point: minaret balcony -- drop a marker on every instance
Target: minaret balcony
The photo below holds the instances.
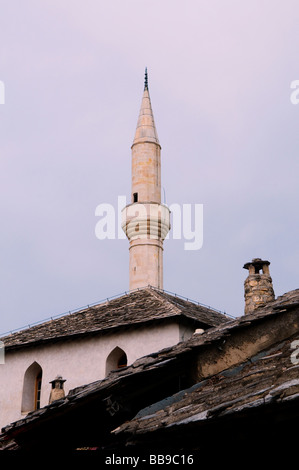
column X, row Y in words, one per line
column 148, row 220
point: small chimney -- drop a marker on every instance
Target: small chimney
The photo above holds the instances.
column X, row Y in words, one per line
column 258, row 285
column 57, row 390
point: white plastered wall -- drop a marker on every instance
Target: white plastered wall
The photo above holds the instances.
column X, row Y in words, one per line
column 79, row 361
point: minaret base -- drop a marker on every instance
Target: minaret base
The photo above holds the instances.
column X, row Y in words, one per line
column 146, row 263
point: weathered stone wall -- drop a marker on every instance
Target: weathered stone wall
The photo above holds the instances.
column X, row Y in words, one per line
column 258, row 291
column 245, row 343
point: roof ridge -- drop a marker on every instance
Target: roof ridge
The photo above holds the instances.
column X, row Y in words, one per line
column 159, row 295
column 139, row 306
column 105, row 301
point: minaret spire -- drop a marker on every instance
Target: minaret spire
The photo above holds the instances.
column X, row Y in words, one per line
column 146, row 221
column 145, row 79
column 146, row 129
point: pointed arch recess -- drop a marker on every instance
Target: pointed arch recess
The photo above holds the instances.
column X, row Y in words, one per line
column 116, row 360
column 31, row 388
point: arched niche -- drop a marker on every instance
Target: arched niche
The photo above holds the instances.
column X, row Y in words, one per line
column 32, row 388
column 116, row 360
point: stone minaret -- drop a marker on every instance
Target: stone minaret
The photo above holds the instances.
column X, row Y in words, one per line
column 146, row 221
column 258, row 285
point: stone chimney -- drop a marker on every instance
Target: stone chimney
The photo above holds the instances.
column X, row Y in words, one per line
column 258, row 288
column 57, row 390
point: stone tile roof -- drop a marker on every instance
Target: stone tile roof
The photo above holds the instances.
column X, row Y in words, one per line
column 269, row 375
column 136, row 308
column 268, row 378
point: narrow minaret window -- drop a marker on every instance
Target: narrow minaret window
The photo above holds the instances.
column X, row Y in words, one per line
column 146, row 221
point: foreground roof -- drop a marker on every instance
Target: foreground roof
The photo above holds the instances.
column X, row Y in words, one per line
column 268, row 377
column 128, row 402
column 135, row 308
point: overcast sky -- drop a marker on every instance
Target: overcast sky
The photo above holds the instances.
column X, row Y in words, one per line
column 220, row 73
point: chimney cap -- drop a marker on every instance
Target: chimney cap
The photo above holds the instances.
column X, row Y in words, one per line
column 258, row 262
column 58, row 379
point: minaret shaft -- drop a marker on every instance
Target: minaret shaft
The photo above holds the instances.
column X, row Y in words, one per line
column 146, row 221
column 146, row 264
column 146, row 172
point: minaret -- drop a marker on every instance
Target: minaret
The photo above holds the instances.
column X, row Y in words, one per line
column 146, row 221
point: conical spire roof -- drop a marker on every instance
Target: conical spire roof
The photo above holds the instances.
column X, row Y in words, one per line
column 146, row 129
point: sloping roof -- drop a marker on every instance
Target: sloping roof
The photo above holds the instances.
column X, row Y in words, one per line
column 262, row 389
column 136, row 308
column 268, row 377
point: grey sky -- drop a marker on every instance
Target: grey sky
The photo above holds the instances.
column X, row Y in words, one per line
column 219, row 80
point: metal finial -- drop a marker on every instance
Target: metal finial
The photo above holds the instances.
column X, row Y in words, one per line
column 145, row 79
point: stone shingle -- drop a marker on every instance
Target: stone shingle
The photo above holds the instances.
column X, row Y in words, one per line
column 136, row 308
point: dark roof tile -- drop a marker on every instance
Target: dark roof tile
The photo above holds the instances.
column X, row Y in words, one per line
column 138, row 307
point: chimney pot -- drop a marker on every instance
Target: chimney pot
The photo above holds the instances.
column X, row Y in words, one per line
column 57, row 390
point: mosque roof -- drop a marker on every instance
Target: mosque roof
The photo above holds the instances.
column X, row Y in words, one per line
column 139, row 307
